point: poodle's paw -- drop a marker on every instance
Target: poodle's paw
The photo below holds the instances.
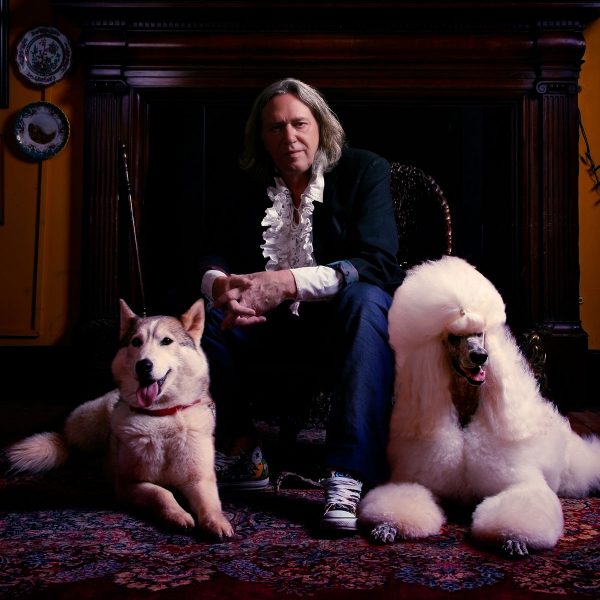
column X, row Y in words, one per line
column 410, row 507
column 385, row 533
column 515, row 548
column 523, row 517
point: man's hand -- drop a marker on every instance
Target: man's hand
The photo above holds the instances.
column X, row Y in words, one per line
column 246, row 298
column 268, row 289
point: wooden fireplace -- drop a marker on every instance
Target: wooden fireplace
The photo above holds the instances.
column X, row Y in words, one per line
column 482, row 95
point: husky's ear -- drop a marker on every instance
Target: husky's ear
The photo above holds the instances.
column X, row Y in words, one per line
column 127, row 315
column 193, row 320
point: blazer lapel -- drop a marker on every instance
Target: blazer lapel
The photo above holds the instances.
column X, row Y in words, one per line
column 326, row 226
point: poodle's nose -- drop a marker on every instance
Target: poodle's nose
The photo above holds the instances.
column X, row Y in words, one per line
column 478, row 357
column 143, row 368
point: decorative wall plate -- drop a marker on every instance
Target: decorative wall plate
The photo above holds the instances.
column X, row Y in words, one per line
column 44, row 55
column 41, row 130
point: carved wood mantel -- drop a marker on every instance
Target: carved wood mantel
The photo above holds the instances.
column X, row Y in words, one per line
column 482, row 95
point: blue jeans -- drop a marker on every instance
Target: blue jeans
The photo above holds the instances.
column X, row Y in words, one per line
column 342, row 343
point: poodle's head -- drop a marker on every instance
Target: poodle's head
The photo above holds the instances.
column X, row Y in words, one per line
column 446, row 302
column 467, row 356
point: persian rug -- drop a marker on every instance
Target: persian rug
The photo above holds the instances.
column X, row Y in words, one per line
column 63, row 536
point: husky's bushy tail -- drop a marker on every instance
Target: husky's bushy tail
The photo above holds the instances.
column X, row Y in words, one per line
column 39, row 453
column 86, row 429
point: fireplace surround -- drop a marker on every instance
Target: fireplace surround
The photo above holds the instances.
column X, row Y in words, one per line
column 481, row 95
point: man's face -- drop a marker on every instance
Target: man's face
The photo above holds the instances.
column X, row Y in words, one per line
column 290, row 134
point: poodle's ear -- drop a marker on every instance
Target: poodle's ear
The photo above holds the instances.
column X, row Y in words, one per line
column 423, row 403
column 510, row 397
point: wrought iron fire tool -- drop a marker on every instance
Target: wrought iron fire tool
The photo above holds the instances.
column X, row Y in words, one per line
column 134, row 239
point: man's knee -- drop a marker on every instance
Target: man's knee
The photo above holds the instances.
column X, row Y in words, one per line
column 364, row 299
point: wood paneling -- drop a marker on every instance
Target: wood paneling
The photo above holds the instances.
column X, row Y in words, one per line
column 483, row 95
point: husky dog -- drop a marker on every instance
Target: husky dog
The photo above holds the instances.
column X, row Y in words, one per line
column 469, row 423
column 157, row 425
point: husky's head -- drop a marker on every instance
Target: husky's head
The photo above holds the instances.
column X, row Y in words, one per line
column 160, row 362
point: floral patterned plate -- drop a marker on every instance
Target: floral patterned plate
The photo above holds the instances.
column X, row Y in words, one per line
column 44, row 55
column 41, row 130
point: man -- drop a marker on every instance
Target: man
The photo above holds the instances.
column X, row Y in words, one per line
column 315, row 240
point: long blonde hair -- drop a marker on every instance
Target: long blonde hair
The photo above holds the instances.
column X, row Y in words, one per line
column 255, row 158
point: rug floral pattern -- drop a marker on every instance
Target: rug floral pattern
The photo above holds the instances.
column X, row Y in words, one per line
column 44, row 543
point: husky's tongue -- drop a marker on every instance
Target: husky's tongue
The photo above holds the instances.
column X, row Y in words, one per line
column 146, row 395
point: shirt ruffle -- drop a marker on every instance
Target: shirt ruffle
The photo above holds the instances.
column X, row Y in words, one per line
column 289, row 245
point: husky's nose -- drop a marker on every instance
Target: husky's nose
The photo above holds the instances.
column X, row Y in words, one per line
column 143, row 368
column 478, row 357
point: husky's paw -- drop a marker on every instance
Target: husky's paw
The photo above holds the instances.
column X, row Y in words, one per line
column 217, row 526
column 515, row 548
column 179, row 519
column 385, row 533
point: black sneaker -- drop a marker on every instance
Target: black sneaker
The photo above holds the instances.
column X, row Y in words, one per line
column 248, row 471
column 342, row 495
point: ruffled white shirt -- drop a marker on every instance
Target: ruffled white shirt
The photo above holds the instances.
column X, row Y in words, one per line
column 288, row 233
column 288, row 242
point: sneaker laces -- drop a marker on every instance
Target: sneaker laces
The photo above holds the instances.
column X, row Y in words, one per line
column 342, row 492
column 222, row 461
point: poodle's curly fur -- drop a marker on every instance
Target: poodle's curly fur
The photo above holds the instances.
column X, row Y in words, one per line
column 515, row 454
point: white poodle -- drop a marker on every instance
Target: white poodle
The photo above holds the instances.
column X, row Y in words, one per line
column 469, row 423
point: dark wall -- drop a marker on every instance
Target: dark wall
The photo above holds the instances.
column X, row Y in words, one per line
column 193, row 162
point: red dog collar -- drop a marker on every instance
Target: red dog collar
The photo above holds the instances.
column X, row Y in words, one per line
column 162, row 412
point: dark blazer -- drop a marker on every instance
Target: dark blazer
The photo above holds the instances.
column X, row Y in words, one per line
column 355, row 223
